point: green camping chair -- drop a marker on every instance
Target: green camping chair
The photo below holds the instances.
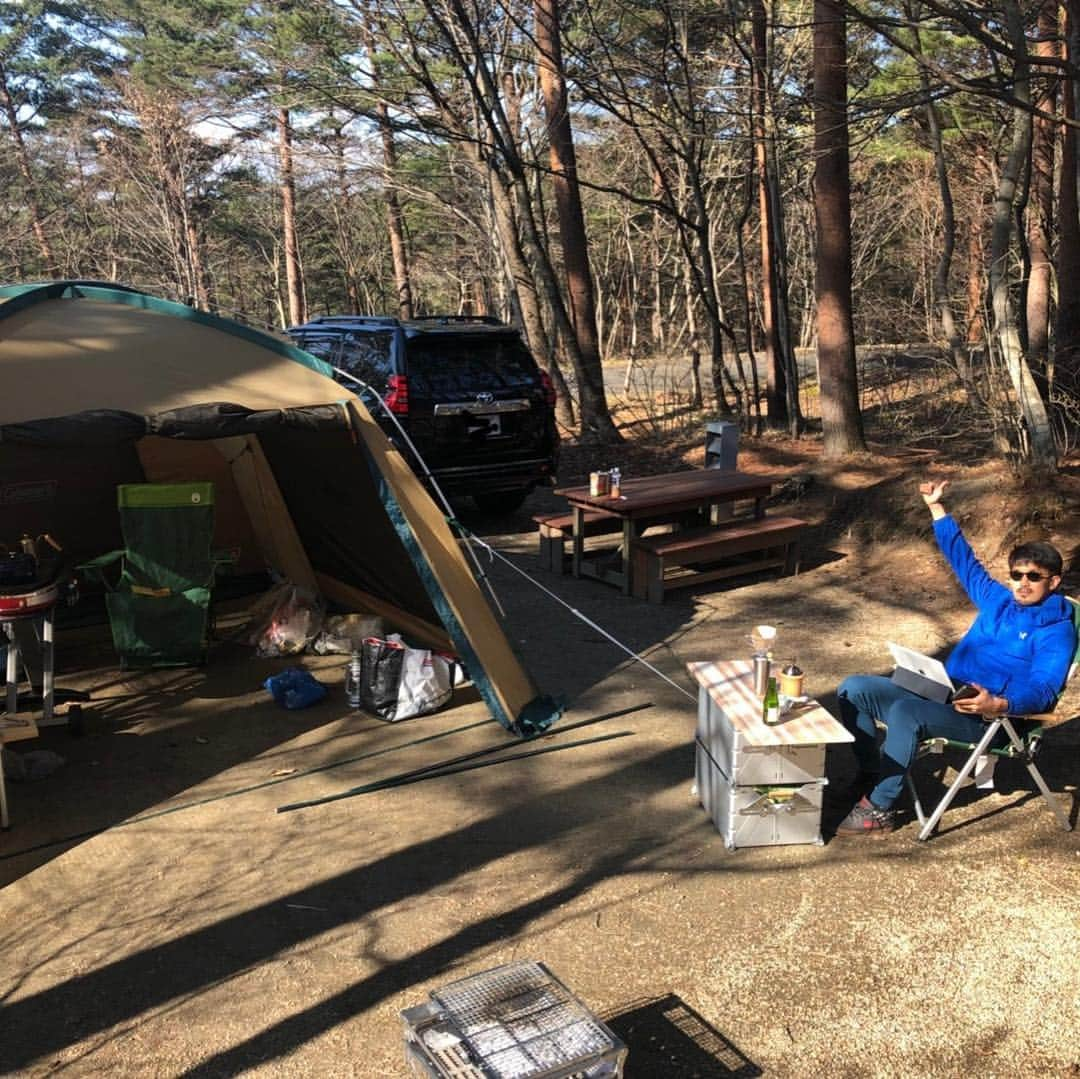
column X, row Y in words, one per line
column 159, row 608
column 982, row 755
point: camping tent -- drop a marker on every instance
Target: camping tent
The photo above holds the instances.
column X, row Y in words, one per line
column 104, row 385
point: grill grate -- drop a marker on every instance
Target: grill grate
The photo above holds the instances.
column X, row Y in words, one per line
column 520, row 1022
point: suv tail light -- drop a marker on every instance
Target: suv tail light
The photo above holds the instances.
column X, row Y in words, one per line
column 550, row 396
column 397, row 395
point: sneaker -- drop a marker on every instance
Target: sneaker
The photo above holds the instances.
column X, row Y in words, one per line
column 866, row 819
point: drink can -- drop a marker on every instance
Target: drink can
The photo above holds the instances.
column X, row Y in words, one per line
column 761, row 674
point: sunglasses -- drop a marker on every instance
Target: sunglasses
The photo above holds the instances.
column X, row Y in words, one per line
column 1031, row 575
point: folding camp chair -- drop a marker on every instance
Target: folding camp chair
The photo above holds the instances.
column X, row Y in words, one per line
column 1021, row 746
column 159, row 608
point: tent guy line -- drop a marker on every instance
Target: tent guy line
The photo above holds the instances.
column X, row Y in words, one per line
column 454, row 523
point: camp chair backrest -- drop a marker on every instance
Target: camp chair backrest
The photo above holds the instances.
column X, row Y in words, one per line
column 1075, row 604
column 168, row 530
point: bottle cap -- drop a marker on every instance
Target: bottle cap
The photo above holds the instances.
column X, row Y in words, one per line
column 792, row 669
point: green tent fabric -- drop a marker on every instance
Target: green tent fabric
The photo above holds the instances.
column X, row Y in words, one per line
column 106, row 385
column 159, row 608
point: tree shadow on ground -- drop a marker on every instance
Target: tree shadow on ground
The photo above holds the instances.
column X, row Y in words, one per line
column 113, row 995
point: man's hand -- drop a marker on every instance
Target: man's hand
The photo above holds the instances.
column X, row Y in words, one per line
column 984, row 704
column 931, row 494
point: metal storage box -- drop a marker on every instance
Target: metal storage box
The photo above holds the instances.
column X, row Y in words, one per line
column 516, row 1021
column 758, row 816
column 751, row 764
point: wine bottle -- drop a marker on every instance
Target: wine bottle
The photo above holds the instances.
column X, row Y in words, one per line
column 770, row 706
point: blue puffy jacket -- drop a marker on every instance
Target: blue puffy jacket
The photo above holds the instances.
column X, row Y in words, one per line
column 1020, row 653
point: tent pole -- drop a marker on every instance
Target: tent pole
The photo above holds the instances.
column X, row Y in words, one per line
column 427, row 475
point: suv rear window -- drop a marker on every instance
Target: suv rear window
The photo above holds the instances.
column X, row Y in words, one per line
column 445, row 367
column 367, row 357
column 325, row 347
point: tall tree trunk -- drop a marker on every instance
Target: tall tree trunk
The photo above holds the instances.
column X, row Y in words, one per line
column 656, row 244
column 395, row 224
column 841, row 417
column 594, row 409
column 525, row 289
column 1067, row 324
column 974, row 315
column 775, row 371
column 942, row 299
column 1032, row 409
column 1041, row 206
column 294, row 286
column 22, row 160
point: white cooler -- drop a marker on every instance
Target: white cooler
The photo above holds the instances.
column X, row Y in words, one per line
column 761, row 785
column 761, row 815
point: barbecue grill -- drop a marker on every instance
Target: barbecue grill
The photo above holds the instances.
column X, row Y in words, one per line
column 516, row 1021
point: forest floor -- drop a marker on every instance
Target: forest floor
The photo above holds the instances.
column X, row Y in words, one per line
column 158, row 917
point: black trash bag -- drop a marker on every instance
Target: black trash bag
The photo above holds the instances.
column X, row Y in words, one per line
column 398, row 682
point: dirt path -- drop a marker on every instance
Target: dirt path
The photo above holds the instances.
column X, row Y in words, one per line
column 202, row 933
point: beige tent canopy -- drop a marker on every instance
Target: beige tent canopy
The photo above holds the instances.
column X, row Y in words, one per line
column 106, row 385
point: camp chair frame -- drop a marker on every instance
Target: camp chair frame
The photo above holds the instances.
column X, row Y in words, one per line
column 1023, row 748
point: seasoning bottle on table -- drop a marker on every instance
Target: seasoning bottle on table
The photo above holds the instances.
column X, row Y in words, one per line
column 770, row 706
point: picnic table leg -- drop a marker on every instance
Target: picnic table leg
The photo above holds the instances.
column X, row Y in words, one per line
column 578, row 538
column 628, row 532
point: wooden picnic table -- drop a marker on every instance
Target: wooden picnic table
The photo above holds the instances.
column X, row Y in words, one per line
column 646, row 500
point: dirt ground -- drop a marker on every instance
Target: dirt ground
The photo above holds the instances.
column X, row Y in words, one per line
column 158, row 917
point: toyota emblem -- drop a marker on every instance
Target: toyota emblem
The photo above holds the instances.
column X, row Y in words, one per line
column 485, row 398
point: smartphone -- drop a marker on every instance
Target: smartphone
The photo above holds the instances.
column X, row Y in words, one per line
column 965, row 692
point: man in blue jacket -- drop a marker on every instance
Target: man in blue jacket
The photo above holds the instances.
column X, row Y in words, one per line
column 1017, row 654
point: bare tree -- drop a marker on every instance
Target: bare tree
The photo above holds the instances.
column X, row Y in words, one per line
column 571, row 221
column 840, row 414
column 1032, row 409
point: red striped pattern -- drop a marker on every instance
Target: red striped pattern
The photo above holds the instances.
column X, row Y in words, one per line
column 730, row 684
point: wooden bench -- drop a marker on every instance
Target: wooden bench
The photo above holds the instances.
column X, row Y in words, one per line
column 555, row 531
column 660, row 562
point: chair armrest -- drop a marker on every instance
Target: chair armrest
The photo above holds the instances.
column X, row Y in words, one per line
column 94, row 570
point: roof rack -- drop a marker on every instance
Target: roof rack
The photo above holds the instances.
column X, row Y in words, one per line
column 447, row 320
column 344, row 320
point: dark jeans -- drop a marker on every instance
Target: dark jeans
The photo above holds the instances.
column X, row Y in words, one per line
column 909, row 720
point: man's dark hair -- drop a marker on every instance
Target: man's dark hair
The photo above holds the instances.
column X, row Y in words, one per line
column 1044, row 555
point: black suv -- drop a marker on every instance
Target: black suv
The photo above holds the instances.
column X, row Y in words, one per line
column 465, row 389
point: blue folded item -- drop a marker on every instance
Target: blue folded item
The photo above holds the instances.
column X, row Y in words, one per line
column 295, row 688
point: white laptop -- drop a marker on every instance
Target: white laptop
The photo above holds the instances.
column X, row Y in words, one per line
column 921, row 674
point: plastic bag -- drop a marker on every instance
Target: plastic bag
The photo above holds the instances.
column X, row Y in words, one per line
column 295, row 688
column 341, row 631
column 398, row 682
column 284, row 620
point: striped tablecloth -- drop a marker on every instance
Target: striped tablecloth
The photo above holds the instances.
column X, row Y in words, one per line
column 730, row 684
